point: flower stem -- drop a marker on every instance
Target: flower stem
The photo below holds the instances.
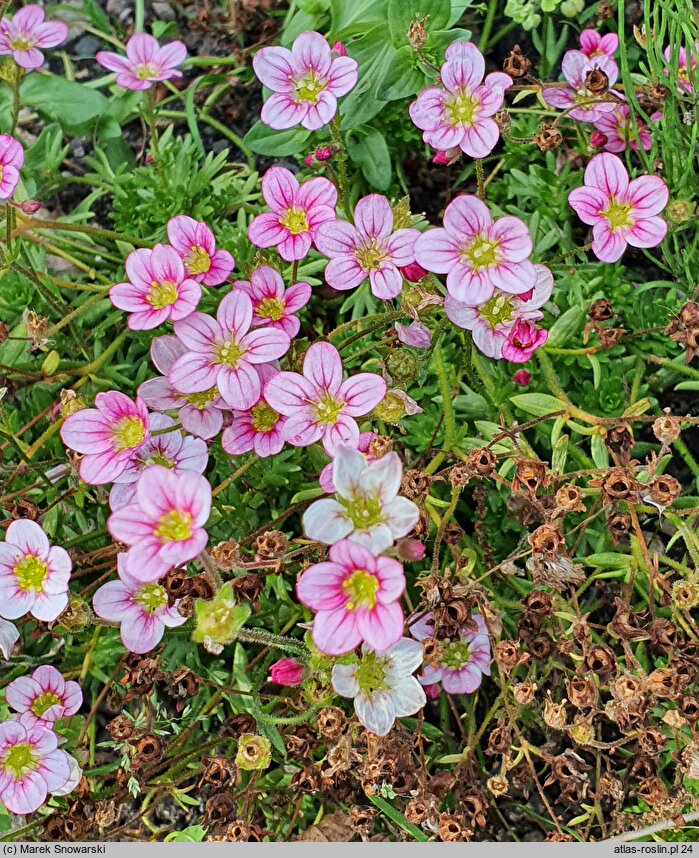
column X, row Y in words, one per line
column 339, row 146
column 480, row 179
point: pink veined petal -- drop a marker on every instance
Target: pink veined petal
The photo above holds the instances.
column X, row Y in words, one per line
column 193, row 373
column 336, row 238
column 141, row 48
column 282, row 111
column 560, row 97
column 87, row 431
column 386, row 282
column 608, row 43
column 273, row 67
column 343, row 76
column 392, row 580
column 147, row 320
column 317, row 192
column 21, row 693
column 344, row 431
column 15, row 602
column 26, row 795
column 130, row 525
column 444, row 136
column 143, row 561
column 182, row 233
column 311, row 51
column 49, row 606
column 156, row 491
column 490, row 100
column 326, row 521
column 239, row 437
column 319, row 587
column 295, row 247
column 512, row 235
column 647, row 232
column 575, row 66
column 321, row 113
column 301, row 430
column 279, row 188
column 234, row 314
column 608, row 245
column 297, row 296
column 164, row 351
column 362, row 392
column 480, row 140
column 204, row 423
column 381, row 627
column 467, row 56
column 336, row 632
column 185, row 550
column 186, row 304
column 102, row 468
column 468, row 286
column 344, row 272
column 266, row 344
column 113, row 600
column 514, row 278
column 322, row 367
column 464, row 681
column 648, row 194
column 128, row 80
column 130, row 298
column 437, row 251
column 607, row 172
column 50, row 34
column 222, row 263
column 140, row 632
column 401, row 246
column 588, row 203
column 463, row 315
column 198, row 332
column 466, row 216
column 427, row 113
column 171, row 55
column 373, row 216
column 27, row 18
column 240, row 387
column 266, row 231
column 289, row 392
column 269, row 443
column 166, row 264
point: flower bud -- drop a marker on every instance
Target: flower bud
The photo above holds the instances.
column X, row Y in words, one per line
column 522, row 378
column 410, row 550
column 416, row 335
column 598, row 140
column 286, row 671
column 402, row 365
column 338, row 50
column 28, row 207
column 414, row 272
column 445, row 157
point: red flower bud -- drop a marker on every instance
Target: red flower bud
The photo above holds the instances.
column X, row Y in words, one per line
column 522, row 377
column 413, row 272
column 338, row 50
column 286, row 671
column 410, row 549
column 598, row 140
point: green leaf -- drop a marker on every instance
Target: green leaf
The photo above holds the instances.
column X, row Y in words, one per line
column 397, row 817
column 369, row 151
column 559, row 454
column 600, row 454
column 193, row 834
column 608, row 560
column 266, row 141
column 403, row 76
column 306, row 494
column 373, row 52
column 538, row 404
column 66, row 101
column 402, row 13
column 566, row 327
column 346, row 16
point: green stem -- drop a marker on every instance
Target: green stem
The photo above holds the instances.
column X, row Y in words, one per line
column 480, row 179
column 341, row 154
column 16, row 82
column 447, row 405
column 149, row 115
column 488, row 26
column 217, row 126
column 269, row 639
column 95, row 231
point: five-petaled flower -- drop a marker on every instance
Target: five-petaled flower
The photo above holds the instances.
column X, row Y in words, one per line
column 460, row 113
column 11, row 161
column 196, row 245
column 26, row 34
column 34, row 575
column 319, row 404
column 620, row 212
column 618, row 130
column 44, row 697
column 274, row 306
column 685, row 64
column 593, row 44
column 145, row 63
column 574, row 95
column 296, row 213
column 356, row 599
column 306, row 82
column 370, row 249
column 260, row 428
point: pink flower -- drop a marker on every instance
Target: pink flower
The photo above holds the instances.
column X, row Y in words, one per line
column 199, row 413
column 574, row 96
column 491, row 322
column 415, row 334
column 620, row 212
column 592, row 44
column 296, row 212
column 31, row 765
column 11, row 161
column 617, row 134
column 523, row 339
column 410, row 550
column 326, row 475
column 370, row 249
column 44, row 697
column 319, row 404
column 34, row 575
column 108, row 435
column 478, row 254
column 172, row 450
column 686, row 65
column 465, row 661
column 223, row 352
column 164, row 527
column 522, row 378
column 158, row 289
column 356, row 599
column 143, row 610
column 260, row 429
column 196, row 245
column 145, row 63
column 413, row 272
column 286, row 671
column 26, row 33
column 447, row 157
column 273, row 306
column 306, row 82
column 459, row 114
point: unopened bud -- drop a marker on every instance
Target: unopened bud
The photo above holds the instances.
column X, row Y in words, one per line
column 338, row 50
column 522, row 378
column 598, row 140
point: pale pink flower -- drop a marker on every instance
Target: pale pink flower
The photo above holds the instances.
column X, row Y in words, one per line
column 223, row 352
column 34, row 575
column 31, row 765
column 164, row 527
column 297, row 211
column 158, row 290
column 199, row 413
column 416, row 335
column 620, row 212
column 26, row 33
column 44, row 697
column 274, row 306
column 11, row 162
column 145, row 63
column 574, row 96
column 492, row 321
column 172, row 450
column 319, row 404
column 523, row 339
column 592, row 44
column 686, row 66
column 465, row 661
column 142, row 609
column 108, row 435
column 363, row 445
column 287, row 671
column 9, row 635
column 306, row 82
column 356, row 597
column 196, row 245
column 618, row 133
column 370, row 249
column 460, row 113
column 260, row 429
column 478, row 254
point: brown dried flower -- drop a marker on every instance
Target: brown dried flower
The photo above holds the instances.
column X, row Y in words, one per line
column 548, row 137
column 617, row 484
column 596, row 81
column 546, row 540
column 516, row 65
column 664, row 490
column 271, row 545
column 481, row 462
column 569, row 499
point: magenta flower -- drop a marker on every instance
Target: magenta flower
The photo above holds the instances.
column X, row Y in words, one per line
column 108, row 435
column 145, row 63
column 44, row 697
column 356, row 599
column 686, row 66
column 11, row 162
column 574, row 96
column 523, row 339
column 370, row 249
column 286, row 671
column 522, row 378
column 34, row 575
column 478, row 254
column 326, row 475
column 143, row 610
column 491, row 322
column 24, row 35
column 620, row 212
column 617, row 131
column 274, row 306
column 593, row 45
column 319, row 404
column 172, row 450
column 164, row 527
column 158, row 289
column 223, row 352
column 459, row 114
column 31, row 765
column 259, row 429
column 296, row 212
column 464, row 663
column 306, row 82
column 196, row 245
column 199, row 413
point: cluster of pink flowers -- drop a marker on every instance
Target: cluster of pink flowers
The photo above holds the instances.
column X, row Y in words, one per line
column 24, row 36
column 146, row 62
column 11, row 162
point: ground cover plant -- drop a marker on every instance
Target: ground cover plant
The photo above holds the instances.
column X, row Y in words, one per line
column 350, row 468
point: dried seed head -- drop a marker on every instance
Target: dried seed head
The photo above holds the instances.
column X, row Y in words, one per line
column 539, row 603
column 530, row 476
column 653, row 791
column 497, row 785
column 524, row 692
column 217, row 772
column 664, row 490
column 254, row 752
column 619, row 440
column 459, row 475
column 500, row 739
column 219, row 808
column 331, row 722
column 248, row 588
column 666, row 428
column 418, row 810
column 685, row 595
column 37, row 327
column 450, row 829
column 417, row 33
column 271, row 545
column 308, row 780
column 415, row 484
column 582, row 692
column 177, row 584
column 149, row 749
column 516, row 65
column 665, row 682
column 569, row 499
column 600, row 660
column 601, row 311
column 120, row 728
column 555, row 713
column 689, row 708
column 23, row 510
column 604, row 11
column 71, row 403
column 548, row 137
column 380, row 445
column 546, row 541
column 507, row 656
column 481, row 462
column 201, row 588
column 619, row 525
column 362, row 819
column 225, row 555
column 616, row 485
column 651, row 741
column 596, row 81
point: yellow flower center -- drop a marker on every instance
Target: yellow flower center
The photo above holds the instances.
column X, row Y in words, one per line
column 481, row 253
column 230, row 353
column 30, row 573
column 370, row 255
column 461, row 108
column 44, row 702
column 20, row 760
column 456, row 655
column 151, row 597
column 327, row 410
column 360, row 588
column 294, row 219
column 371, row 673
column 158, row 459
column 618, row 215
column 271, row 308
column 497, row 311
column 22, row 43
column 174, row 526
column 364, row 512
column 308, row 86
column 127, row 433
column 201, row 400
column 162, row 294
column 264, row 418
column 145, row 71
column 197, row 260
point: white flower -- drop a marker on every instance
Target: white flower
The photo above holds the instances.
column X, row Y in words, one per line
column 382, row 684
column 9, row 635
column 366, row 506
